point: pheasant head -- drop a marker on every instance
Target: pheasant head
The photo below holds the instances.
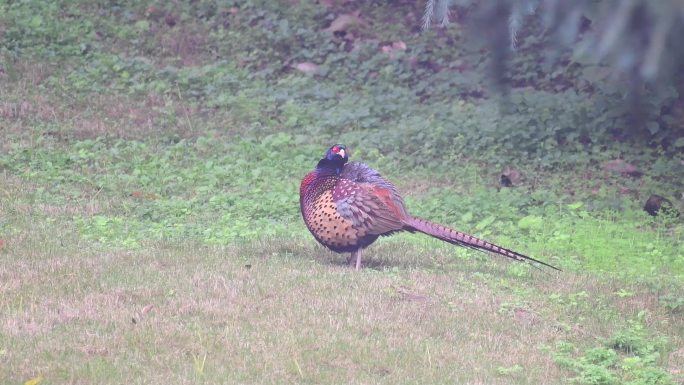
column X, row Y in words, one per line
column 338, row 152
column 334, row 158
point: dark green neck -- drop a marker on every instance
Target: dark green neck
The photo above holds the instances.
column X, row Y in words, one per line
column 327, row 166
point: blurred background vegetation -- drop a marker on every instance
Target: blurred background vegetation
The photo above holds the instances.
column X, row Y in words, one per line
column 202, row 105
column 628, row 51
column 616, row 63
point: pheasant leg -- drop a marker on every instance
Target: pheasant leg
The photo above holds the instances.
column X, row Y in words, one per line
column 355, row 259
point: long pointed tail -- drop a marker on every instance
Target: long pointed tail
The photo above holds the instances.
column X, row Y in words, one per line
column 462, row 239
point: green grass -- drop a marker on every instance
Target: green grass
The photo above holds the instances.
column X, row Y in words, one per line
column 198, row 269
column 273, row 312
column 151, row 231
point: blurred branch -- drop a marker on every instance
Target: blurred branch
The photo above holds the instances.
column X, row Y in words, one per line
column 633, row 36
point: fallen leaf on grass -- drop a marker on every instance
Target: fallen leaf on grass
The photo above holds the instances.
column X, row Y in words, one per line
column 147, row 309
column 524, row 316
column 154, row 13
column 392, row 49
column 34, row 381
column 409, row 295
column 619, row 165
column 139, row 315
column 307, row 67
column 141, row 194
column 345, row 21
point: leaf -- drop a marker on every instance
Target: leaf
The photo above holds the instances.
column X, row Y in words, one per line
column 142, row 25
column 485, row 222
column 531, row 222
column 344, row 21
column 34, row 381
column 619, row 165
column 392, row 49
column 679, row 142
column 575, row 206
column 36, row 21
column 143, row 195
column 307, row 68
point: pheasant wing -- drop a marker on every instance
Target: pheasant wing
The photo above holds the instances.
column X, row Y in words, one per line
column 370, row 208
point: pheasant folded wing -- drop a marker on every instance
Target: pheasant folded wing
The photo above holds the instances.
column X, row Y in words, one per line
column 370, row 208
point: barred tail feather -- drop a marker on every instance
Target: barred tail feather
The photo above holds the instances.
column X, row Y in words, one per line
column 462, row 239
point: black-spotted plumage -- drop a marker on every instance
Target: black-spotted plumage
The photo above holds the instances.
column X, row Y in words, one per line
column 347, row 206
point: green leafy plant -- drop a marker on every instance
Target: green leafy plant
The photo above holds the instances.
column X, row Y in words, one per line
column 630, row 356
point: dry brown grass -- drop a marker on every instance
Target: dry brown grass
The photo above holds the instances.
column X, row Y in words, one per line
column 102, row 115
column 186, row 43
column 186, row 314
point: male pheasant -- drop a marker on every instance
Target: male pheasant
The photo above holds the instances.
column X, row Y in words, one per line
column 347, row 206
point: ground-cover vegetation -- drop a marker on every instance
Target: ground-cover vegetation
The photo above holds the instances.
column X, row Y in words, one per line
column 150, row 158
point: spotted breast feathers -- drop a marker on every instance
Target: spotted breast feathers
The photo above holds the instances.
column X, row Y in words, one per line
column 350, row 210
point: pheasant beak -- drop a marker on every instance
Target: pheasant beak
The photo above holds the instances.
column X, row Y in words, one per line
column 342, row 153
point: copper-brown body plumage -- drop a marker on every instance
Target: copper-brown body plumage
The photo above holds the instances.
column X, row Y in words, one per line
column 347, row 206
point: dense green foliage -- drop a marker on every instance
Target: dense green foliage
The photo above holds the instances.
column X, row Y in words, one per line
column 241, row 65
column 220, row 191
column 628, row 357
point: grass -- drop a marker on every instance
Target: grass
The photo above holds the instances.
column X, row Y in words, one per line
column 263, row 314
column 284, row 310
column 150, row 229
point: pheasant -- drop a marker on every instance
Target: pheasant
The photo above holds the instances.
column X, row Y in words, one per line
column 347, row 206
